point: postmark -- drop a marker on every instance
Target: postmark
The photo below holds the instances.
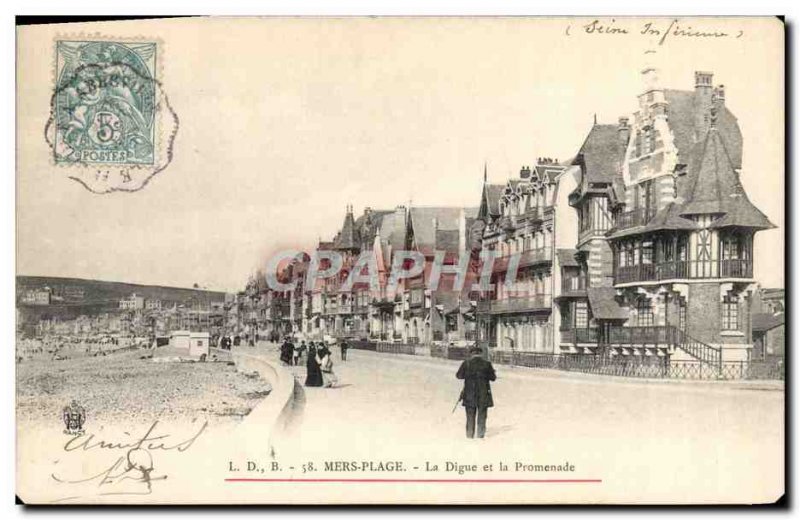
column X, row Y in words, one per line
column 111, row 127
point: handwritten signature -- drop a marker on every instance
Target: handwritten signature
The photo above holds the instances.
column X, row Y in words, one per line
column 132, row 473
column 136, row 466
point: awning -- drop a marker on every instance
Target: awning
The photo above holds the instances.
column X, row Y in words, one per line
column 765, row 321
column 566, row 258
column 604, row 304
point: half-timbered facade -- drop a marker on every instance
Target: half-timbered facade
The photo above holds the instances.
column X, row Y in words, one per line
column 675, row 237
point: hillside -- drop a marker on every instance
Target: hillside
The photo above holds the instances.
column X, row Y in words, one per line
column 100, row 296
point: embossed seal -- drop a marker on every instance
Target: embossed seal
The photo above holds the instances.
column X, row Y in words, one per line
column 74, row 415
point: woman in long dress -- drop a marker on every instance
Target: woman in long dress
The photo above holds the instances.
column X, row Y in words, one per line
column 326, row 365
column 313, row 372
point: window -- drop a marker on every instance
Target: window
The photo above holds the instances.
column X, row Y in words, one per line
column 682, row 313
column 566, row 317
column 648, row 140
column 734, row 246
column 647, row 252
column 581, row 315
column 668, row 249
column 628, row 254
column 730, row 312
column 586, row 216
column 683, row 248
column 644, row 313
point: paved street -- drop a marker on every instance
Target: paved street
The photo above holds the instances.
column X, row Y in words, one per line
column 634, row 440
column 659, row 435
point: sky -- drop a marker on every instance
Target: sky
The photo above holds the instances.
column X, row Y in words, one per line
column 284, row 122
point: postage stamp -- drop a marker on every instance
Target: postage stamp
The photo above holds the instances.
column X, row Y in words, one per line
column 111, row 124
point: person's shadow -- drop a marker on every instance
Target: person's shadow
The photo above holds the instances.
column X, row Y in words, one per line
column 499, row 430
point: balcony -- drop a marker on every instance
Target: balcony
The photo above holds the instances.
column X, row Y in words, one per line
column 534, row 303
column 684, row 270
column 654, row 336
column 736, row 269
column 640, row 336
column 633, row 218
column 573, row 286
column 542, row 255
column 579, row 335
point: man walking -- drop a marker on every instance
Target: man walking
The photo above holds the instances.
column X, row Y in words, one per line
column 477, row 374
column 344, row 346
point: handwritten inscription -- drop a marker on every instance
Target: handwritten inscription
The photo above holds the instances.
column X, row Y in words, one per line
column 130, row 473
column 663, row 31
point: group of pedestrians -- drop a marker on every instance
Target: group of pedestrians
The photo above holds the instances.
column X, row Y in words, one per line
column 319, row 360
column 319, row 366
column 291, row 353
column 476, row 372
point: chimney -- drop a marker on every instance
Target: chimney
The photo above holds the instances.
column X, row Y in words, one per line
column 703, row 93
column 398, row 236
column 525, row 172
column 624, row 131
column 703, row 78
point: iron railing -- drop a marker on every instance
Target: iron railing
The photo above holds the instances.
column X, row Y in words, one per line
column 736, row 268
column 634, row 217
column 697, row 349
column 541, row 255
column 537, row 302
column 571, row 284
column 653, row 366
column 683, row 269
column 579, row 335
column 396, row 348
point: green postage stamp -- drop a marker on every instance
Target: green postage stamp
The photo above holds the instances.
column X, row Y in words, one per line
column 109, row 116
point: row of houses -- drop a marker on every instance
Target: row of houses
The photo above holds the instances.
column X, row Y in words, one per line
column 51, row 295
column 639, row 245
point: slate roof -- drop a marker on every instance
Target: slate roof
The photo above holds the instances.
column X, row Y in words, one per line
column 601, row 154
column 368, row 224
column 566, row 257
column 492, row 193
column 348, row 237
column 422, row 219
column 604, row 304
column 447, row 239
column 393, row 236
column 685, row 113
column 713, row 186
column 766, row 321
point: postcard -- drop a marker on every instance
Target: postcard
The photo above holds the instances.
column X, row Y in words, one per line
column 401, row 260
